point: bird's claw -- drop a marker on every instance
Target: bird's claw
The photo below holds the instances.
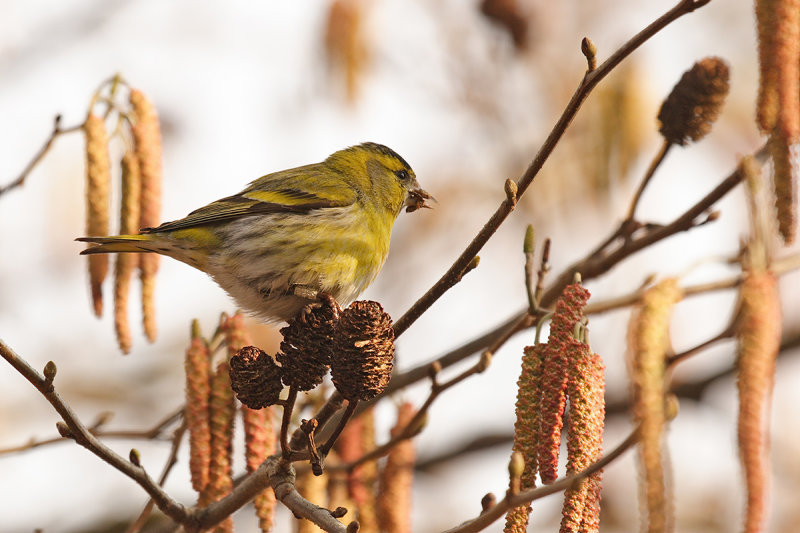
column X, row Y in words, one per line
column 323, row 299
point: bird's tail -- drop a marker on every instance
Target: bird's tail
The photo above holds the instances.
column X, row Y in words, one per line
column 119, row 243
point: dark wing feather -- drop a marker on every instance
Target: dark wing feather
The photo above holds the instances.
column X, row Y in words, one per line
column 239, row 205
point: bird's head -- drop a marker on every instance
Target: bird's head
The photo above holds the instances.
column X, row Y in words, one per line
column 379, row 174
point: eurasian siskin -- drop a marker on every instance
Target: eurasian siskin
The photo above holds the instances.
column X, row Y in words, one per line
column 294, row 234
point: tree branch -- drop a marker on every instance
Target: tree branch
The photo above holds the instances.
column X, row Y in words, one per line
column 84, row 437
column 590, row 79
column 57, row 131
column 525, row 497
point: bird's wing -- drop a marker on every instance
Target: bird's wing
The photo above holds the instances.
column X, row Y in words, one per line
column 291, row 191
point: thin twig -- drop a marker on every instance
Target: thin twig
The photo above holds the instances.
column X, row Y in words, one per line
column 544, row 268
column 57, row 131
column 323, row 416
column 83, row 436
column 596, row 264
column 692, row 390
column 154, row 433
column 172, row 460
column 592, row 266
column 348, row 413
column 651, row 170
column 414, row 425
column 727, row 333
column 525, row 497
column 590, row 79
column 288, row 405
column 279, row 473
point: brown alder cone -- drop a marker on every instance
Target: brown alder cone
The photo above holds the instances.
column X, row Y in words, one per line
column 363, row 353
column 648, row 344
column 255, row 378
column 695, row 102
column 568, row 312
column 586, row 389
column 147, row 144
column 98, row 182
column 394, row 495
column 198, row 389
column 529, row 391
column 126, row 263
column 221, row 413
column 306, row 348
column 759, row 334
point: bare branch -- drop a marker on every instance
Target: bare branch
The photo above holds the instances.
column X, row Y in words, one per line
column 84, row 437
column 522, row 498
column 57, row 131
column 589, row 81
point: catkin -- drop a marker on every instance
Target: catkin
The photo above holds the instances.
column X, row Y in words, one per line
column 767, row 105
column 784, row 178
column 259, row 436
column 197, row 367
column 778, row 107
column 568, row 313
column 345, row 43
column 394, row 496
column 759, row 334
column 529, row 391
column 586, row 388
column 123, row 268
column 648, row 339
column 221, row 415
column 98, row 180
column 366, row 501
column 259, row 439
column 147, row 142
column 236, row 334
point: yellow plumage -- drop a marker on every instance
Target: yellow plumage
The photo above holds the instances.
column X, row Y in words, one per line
column 292, row 234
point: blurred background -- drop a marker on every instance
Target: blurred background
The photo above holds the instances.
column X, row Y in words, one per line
column 466, row 95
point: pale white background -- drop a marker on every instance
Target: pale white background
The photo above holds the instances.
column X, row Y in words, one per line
column 243, row 89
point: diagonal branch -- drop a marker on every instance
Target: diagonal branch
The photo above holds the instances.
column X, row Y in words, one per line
column 57, row 131
column 590, row 79
column 594, row 265
column 525, row 497
column 84, row 437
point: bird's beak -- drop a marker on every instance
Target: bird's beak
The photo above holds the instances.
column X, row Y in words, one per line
column 416, row 200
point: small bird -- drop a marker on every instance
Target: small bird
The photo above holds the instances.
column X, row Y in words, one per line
column 319, row 230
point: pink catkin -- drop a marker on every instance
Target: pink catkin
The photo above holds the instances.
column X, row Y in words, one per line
column 554, row 379
column 586, row 391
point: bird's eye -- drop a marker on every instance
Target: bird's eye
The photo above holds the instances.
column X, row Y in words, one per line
column 402, row 175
